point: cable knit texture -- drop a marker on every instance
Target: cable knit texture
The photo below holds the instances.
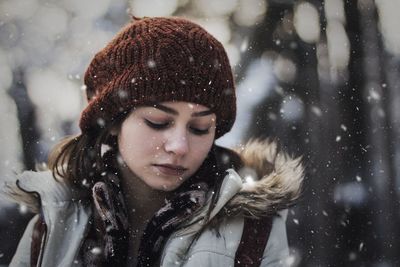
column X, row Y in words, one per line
column 155, row 60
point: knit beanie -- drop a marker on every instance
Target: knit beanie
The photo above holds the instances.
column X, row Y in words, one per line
column 153, row 60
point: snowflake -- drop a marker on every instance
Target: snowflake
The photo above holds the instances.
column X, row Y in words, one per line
column 122, row 94
column 95, row 250
column 101, row 122
column 151, row 63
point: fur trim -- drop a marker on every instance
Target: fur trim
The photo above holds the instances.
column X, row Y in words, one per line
column 280, row 182
column 14, row 193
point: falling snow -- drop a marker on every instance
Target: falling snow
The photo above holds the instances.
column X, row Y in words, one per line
column 101, row 122
column 344, row 123
column 316, row 110
column 122, row 94
column 151, row 64
column 96, row 251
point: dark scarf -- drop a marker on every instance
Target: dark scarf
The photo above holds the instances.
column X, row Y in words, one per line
column 108, row 237
column 166, row 220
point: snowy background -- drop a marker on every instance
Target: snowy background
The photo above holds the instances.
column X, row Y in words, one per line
column 321, row 76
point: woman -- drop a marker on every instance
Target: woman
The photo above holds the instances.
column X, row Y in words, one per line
column 144, row 183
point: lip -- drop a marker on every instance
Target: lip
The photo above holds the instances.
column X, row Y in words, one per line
column 169, row 169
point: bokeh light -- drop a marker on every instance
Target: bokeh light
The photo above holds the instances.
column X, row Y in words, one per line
column 306, row 22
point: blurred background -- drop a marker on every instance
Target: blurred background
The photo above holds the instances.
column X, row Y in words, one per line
column 322, row 77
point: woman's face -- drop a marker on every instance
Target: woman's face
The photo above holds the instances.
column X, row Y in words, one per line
column 165, row 144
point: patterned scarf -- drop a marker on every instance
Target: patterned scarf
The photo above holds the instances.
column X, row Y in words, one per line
column 107, row 241
column 166, row 220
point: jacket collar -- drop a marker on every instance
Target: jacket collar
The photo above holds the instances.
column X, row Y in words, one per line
column 272, row 180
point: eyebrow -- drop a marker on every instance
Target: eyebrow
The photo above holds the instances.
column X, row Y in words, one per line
column 174, row 112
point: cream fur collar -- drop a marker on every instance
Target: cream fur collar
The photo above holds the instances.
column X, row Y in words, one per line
column 272, row 180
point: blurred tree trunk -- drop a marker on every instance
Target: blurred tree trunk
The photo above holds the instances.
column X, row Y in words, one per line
column 392, row 92
column 379, row 170
column 27, row 120
column 310, row 224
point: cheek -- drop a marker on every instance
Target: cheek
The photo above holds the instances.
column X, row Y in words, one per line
column 129, row 141
column 137, row 142
column 201, row 150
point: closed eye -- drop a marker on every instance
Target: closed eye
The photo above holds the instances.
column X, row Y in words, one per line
column 197, row 131
column 156, row 126
column 164, row 125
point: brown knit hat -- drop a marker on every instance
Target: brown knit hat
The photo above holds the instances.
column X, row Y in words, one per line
column 154, row 60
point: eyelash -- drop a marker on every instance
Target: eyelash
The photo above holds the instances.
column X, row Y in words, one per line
column 156, row 126
column 161, row 126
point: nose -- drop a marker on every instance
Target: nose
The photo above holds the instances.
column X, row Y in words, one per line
column 177, row 143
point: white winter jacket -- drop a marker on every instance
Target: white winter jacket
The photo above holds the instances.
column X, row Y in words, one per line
column 66, row 216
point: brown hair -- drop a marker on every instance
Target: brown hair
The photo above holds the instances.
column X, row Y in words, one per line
column 78, row 159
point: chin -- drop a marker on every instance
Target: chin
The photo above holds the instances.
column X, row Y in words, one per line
column 165, row 186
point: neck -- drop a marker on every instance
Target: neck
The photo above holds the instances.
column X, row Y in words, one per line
column 142, row 201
